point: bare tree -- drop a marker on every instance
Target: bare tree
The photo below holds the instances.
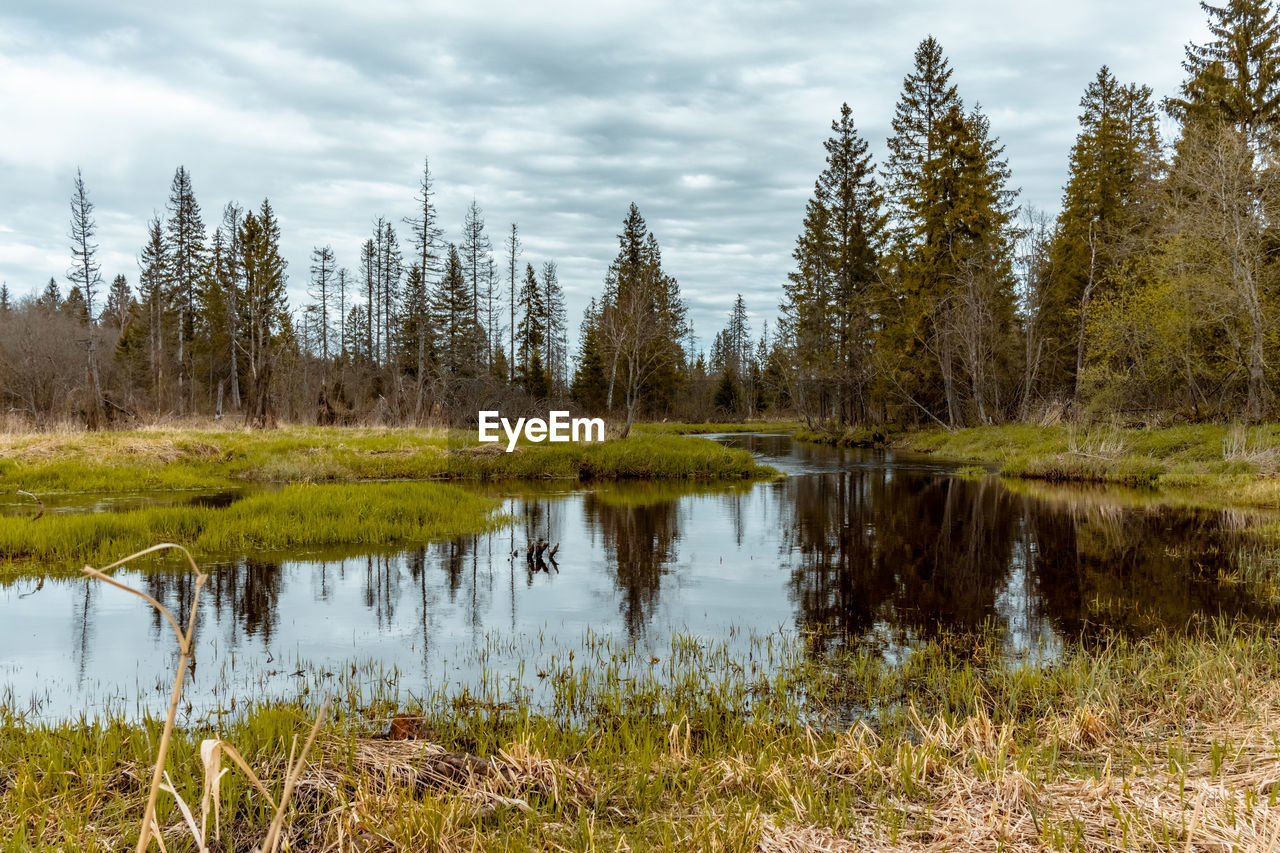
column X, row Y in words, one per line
column 1224, row 212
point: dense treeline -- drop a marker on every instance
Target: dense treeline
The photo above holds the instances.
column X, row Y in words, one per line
column 921, row 291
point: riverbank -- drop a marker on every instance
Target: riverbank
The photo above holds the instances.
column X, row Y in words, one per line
column 374, row 515
column 149, row 460
column 1210, row 464
column 1137, row 744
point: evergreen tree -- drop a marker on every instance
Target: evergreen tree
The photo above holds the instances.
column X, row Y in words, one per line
column 513, row 256
column 458, row 344
column 476, row 251
column 265, row 308
column 1235, row 77
column 322, row 287
column 6, row 303
column 531, row 336
column 153, row 294
column 643, row 324
column 186, row 256
column 50, row 299
column 553, row 324
column 369, row 277
column 213, row 328
column 950, row 299
column 86, row 274
column 590, row 385
column 231, row 287
column 425, row 228
column 390, row 271
column 1115, row 166
column 828, row 303
column 119, row 300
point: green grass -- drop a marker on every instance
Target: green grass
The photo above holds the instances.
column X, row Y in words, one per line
column 149, row 460
column 1202, row 464
column 373, row 514
column 1153, row 744
column 851, row 437
column 706, row 429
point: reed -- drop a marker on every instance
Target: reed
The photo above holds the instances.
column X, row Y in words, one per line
column 1154, row 743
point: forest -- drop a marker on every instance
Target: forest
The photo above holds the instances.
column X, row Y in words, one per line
column 922, row 292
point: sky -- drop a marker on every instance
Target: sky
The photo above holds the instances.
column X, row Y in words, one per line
column 710, row 116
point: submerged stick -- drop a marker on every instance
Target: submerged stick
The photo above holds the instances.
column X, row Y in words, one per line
column 37, row 500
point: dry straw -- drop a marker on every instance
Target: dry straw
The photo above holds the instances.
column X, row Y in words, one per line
column 212, row 750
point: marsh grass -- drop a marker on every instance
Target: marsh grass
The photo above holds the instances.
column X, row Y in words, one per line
column 145, row 460
column 372, row 514
column 1209, row 464
column 211, row 750
column 1136, row 744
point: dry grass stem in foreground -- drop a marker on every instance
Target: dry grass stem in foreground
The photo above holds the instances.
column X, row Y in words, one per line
column 211, row 751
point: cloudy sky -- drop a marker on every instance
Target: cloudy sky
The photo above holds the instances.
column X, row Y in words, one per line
column 710, row 116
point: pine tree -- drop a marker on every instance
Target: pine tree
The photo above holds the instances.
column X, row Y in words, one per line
column 643, row 323
column 475, row 253
column 265, row 308
column 828, row 304
column 50, row 299
column 119, row 300
column 1115, row 165
column 1235, row 77
column 6, row 303
column 531, row 336
column 231, row 286
column 186, row 255
column 950, row 279
column 369, row 275
column 425, row 228
column 390, row 271
column 553, row 323
column 513, row 256
column 86, row 274
column 213, row 328
column 590, row 385
column 458, row 345
column 153, row 295
column 416, row 350
column 322, row 287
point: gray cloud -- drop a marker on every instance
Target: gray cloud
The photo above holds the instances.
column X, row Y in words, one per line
column 709, row 116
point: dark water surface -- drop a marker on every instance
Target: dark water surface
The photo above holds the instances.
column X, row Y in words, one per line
column 856, row 546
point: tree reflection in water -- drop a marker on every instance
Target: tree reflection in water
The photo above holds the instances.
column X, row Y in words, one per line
column 863, row 546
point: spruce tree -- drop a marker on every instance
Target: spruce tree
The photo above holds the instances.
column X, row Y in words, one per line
column 590, row 384
column 265, row 307
column 475, row 251
column 119, row 300
column 322, row 287
column 1114, row 169
column 513, row 256
column 86, row 274
column 1235, row 77
column 531, row 336
column 553, row 323
column 186, row 255
column 458, row 345
column 828, row 301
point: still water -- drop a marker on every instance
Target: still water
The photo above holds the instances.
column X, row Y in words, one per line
column 852, row 547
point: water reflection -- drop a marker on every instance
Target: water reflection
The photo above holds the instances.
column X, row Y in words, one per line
column 854, row 547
